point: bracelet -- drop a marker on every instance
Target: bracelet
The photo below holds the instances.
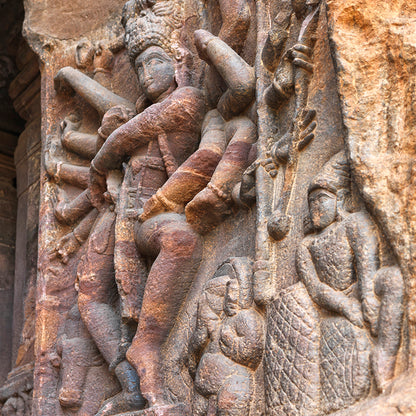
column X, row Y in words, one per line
column 170, row 205
column 217, row 191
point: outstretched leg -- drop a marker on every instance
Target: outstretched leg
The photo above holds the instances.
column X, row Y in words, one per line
column 177, row 249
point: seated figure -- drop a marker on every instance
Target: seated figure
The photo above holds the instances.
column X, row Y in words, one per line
column 227, row 345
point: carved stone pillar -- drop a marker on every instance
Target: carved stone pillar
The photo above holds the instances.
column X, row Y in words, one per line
column 24, row 90
column 226, row 220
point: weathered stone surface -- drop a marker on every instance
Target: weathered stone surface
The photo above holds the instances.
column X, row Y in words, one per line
column 399, row 399
column 65, row 21
column 375, row 46
column 226, row 208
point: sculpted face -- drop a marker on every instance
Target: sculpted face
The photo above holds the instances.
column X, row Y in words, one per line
column 231, row 300
column 322, row 208
column 156, row 72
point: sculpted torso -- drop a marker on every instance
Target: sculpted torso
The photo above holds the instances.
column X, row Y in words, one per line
column 333, row 257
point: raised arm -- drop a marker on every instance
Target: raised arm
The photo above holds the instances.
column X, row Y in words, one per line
column 237, row 74
column 94, row 93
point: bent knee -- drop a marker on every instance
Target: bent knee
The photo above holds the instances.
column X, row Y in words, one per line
column 183, row 241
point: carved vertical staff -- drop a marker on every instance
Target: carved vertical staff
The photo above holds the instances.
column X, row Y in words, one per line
column 285, row 89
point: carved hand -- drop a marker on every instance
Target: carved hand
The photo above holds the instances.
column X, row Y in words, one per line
column 352, row 311
column 114, row 118
column 66, row 246
column 371, row 308
column 301, row 57
column 270, row 165
column 280, row 150
column 96, row 188
column 307, row 129
column 282, row 86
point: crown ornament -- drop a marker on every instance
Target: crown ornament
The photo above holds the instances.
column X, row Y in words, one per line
column 151, row 23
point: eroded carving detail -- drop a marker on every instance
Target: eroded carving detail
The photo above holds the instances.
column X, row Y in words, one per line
column 227, row 345
column 142, row 187
column 134, row 224
column 345, row 338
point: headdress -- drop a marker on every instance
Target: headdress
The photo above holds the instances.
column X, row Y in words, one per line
column 151, row 23
column 240, row 268
column 334, row 176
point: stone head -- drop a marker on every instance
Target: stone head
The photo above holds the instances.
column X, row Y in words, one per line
column 156, row 72
column 238, row 292
column 329, row 192
column 322, row 207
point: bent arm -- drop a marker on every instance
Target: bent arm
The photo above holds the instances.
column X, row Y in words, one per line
column 237, row 74
column 93, row 92
column 250, row 338
column 322, row 294
column 181, row 111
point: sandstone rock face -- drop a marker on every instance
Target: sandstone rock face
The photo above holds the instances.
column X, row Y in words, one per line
column 227, row 214
column 68, row 21
column 374, row 45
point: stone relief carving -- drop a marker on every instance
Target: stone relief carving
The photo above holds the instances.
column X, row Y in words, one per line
column 340, row 308
column 134, row 227
column 16, row 394
column 232, row 113
column 227, row 345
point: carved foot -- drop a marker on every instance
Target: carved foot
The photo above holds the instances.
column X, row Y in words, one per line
column 207, row 210
column 121, row 403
